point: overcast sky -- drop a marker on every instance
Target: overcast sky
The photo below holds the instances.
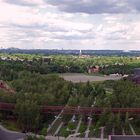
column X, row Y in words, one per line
column 70, row 24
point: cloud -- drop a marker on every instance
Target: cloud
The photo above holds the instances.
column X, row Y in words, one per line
column 70, row 24
column 85, row 6
column 97, row 6
column 26, row 26
column 25, row 2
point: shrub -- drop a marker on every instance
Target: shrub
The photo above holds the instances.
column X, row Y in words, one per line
column 71, row 125
column 64, row 132
column 44, row 131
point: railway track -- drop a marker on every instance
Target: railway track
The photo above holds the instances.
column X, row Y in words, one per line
column 73, row 110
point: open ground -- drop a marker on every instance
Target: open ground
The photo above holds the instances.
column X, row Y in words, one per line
column 76, row 77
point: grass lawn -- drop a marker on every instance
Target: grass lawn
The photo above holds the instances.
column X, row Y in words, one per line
column 11, row 125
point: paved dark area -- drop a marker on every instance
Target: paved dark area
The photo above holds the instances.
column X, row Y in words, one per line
column 125, row 138
column 10, row 136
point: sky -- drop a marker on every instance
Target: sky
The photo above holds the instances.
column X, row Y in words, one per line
column 70, row 24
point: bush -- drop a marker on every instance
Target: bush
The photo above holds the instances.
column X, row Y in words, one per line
column 71, row 125
column 41, row 138
column 44, row 131
column 31, row 137
column 82, row 128
column 64, row 132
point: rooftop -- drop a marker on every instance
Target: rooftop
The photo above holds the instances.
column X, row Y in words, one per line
column 131, row 137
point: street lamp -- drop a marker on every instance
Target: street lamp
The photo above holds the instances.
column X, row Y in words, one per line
column 57, row 117
column 58, row 135
column 113, row 130
column 132, row 129
column 130, row 119
column 73, row 120
column 89, row 118
column 78, row 107
column 102, row 132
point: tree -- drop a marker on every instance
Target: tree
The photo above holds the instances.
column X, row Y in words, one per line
column 28, row 114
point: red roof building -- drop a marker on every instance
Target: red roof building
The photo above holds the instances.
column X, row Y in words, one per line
column 94, row 69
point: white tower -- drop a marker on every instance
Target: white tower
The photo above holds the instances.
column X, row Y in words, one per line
column 80, row 52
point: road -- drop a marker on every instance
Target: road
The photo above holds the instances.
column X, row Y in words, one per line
column 10, row 135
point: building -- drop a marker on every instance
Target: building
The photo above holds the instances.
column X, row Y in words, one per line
column 136, row 71
column 94, row 69
column 2, row 84
column 6, row 87
column 47, row 60
column 124, row 137
column 135, row 77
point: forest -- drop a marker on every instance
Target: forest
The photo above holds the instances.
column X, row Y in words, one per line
column 36, row 82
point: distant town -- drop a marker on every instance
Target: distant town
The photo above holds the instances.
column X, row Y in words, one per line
column 73, row 52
